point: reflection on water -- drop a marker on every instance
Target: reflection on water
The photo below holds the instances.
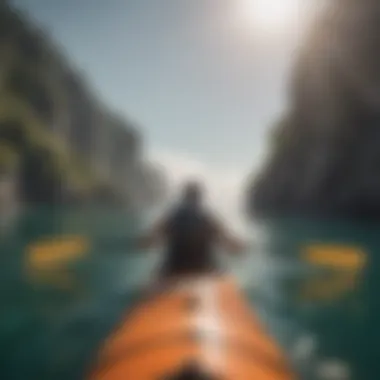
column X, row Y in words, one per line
column 56, row 314
column 287, row 322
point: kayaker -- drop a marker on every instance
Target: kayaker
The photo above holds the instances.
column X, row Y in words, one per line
column 191, row 234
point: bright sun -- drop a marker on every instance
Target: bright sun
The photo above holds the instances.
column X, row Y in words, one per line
column 271, row 15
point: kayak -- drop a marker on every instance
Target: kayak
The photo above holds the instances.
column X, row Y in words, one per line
column 191, row 328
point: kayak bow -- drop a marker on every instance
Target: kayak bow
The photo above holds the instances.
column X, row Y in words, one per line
column 191, row 328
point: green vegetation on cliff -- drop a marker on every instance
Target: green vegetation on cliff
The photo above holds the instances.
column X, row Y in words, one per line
column 67, row 143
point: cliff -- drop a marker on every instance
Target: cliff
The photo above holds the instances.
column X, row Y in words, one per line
column 58, row 141
column 325, row 152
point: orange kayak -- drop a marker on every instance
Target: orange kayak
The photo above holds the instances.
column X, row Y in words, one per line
column 191, row 328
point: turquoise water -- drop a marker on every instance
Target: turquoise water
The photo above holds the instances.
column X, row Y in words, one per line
column 51, row 329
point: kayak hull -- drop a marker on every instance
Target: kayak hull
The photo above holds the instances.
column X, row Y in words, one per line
column 200, row 324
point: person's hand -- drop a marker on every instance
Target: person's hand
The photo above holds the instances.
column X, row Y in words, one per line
column 238, row 247
column 144, row 242
column 153, row 237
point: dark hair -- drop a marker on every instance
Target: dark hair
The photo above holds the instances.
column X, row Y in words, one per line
column 192, row 192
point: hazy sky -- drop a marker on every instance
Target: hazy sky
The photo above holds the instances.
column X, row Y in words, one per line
column 203, row 78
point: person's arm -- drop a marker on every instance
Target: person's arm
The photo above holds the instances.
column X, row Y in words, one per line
column 229, row 241
column 154, row 236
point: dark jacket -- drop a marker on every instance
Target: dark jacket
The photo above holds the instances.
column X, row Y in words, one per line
column 191, row 233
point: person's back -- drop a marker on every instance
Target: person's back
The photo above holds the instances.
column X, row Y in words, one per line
column 190, row 233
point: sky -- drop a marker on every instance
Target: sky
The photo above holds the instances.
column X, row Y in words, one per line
column 204, row 79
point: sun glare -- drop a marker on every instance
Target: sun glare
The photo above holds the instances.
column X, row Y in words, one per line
column 270, row 15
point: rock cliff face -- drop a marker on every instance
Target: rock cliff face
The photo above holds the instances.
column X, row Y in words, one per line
column 56, row 136
column 325, row 152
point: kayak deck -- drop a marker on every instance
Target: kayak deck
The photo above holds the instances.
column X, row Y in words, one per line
column 202, row 323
